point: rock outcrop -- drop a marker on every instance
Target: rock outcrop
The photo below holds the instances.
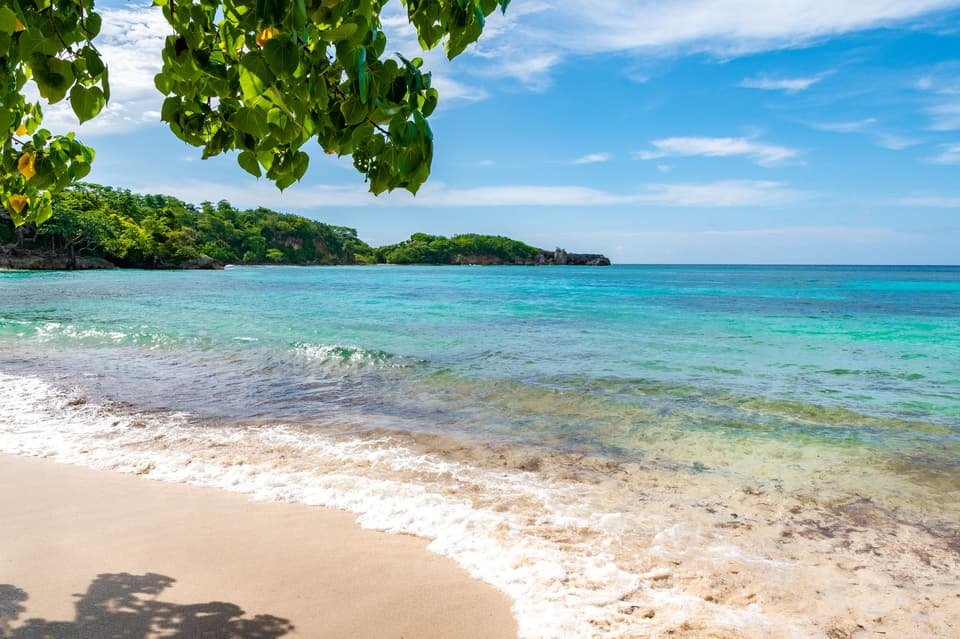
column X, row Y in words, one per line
column 560, row 257
column 12, row 258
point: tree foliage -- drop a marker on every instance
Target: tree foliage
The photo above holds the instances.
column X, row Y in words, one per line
column 159, row 231
column 460, row 249
column 261, row 78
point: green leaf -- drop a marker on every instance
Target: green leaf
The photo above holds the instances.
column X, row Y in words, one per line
column 53, row 77
column 92, row 25
column 281, row 55
column 248, row 162
column 300, row 14
column 8, row 20
column 353, row 111
column 429, row 102
column 285, row 181
column 86, row 103
column 342, row 32
column 250, row 121
column 300, row 162
column 44, row 213
column 410, row 161
column 170, row 109
column 29, row 42
column 95, row 64
column 251, row 84
column 164, row 83
column 363, row 77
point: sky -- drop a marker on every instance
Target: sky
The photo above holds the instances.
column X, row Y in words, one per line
column 653, row 131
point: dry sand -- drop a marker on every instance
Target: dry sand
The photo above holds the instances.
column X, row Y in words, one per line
column 86, row 553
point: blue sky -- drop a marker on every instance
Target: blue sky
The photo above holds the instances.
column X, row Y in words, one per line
column 730, row 131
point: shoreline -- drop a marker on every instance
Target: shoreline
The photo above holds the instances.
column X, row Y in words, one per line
column 583, row 546
column 155, row 556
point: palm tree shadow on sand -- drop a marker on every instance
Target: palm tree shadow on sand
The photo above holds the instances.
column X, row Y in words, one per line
column 125, row 606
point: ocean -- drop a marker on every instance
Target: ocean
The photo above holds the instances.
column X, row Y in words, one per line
column 675, row 451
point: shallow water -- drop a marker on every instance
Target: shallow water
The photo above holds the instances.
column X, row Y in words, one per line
column 627, row 451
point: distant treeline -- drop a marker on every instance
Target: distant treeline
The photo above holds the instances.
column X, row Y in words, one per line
column 98, row 225
column 460, row 249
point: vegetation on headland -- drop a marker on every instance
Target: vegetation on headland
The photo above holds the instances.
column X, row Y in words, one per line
column 99, row 226
column 159, row 231
column 461, row 249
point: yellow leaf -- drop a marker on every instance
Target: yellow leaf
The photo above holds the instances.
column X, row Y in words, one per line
column 265, row 34
column 17, row 203
column 25, row 165
column 19, row 27
column 22, row 130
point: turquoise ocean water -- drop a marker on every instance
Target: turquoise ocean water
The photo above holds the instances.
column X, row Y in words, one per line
column 828, row 385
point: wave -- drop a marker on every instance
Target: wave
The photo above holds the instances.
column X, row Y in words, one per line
column 585, row 547
column 42, row 332
column 352, row 357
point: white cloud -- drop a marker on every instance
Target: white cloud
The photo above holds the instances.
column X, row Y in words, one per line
column 896, row 142
column 931, row 201
column 130, row 42
column 535, row 36
column 945, row 117
column 943, row 78
column 453, row 90
column 949, row 154
column 789, row 85
column 726, row 193
column 850, row 234
column 730, row 193
column 594, row 158
column 532, row 71
column 725, row 27
column 762, row 154
column 885, row 140
column 854, row 126
column 528, row 42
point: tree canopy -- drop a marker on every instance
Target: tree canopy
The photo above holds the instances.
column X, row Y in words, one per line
column 460, row 249
column 160, row 231
column 261, row 78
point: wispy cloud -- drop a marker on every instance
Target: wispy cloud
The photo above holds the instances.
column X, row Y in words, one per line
column 788, row 85
column 868, row 126
column 725, row 27
column 896, row 142
column 722, row 194
column 534, row 37
column 949, row 154
column 728, row 193
column 758, row 152
column 853, row 126
column 942, row 78
column 594, row 158
column 931, row 201
column 945, row 116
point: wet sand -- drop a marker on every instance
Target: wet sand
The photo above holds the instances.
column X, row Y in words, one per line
column 93, row 553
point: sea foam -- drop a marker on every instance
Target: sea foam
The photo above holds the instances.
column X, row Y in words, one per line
column 539, row 540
